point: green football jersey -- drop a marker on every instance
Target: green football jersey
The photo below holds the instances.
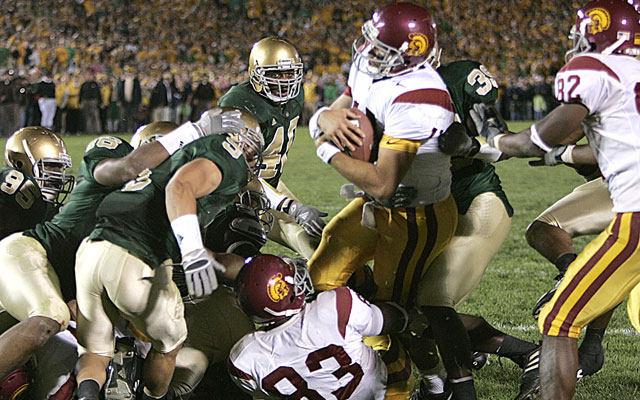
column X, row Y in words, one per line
column 21, row 203
column 278, row 123
column 135, row 217
column 62, row 235
column 469, row 83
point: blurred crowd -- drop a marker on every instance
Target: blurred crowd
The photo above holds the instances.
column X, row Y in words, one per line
column 202, row 46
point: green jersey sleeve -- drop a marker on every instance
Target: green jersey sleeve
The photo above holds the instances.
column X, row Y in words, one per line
column 100, row 149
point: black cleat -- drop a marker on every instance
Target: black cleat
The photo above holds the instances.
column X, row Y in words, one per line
column 590, row 363
column 545, row 298
column 530, row 384
column 124, row 371
column 479, row 360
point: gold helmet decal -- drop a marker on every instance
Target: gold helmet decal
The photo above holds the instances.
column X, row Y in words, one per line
column 600, row 20
column 277, row 288
column 418, row 45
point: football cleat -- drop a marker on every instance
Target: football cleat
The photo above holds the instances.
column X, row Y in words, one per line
column 124, row 371
column 530, row 384
column 589, row 363
column 422, row 393
column 479, row 360
column 545, row 298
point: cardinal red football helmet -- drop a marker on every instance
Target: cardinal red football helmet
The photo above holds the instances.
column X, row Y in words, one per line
column 607, row 27
column 399, row 38
column 269, row 289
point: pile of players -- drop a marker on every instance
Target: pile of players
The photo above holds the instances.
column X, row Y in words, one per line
column 149, row 238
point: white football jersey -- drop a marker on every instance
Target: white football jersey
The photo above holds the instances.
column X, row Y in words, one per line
column 317, row 354
column 414, row 106
column 609, row 86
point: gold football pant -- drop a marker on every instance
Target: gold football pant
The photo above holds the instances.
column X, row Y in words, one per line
column 598, row 280
column 584, row 211
column 456, row 272
column 29, row 286
column 404, row 244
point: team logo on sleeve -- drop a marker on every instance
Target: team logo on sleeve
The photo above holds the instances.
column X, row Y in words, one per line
column 277, row 288
column 418, row 45
column 600, row 20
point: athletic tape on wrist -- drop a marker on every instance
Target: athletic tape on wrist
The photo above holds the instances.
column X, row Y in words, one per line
column 187, row 232
column 326, row 151
column 314, row 129
column 537, row 140
column 567, row 155
column 176, row 139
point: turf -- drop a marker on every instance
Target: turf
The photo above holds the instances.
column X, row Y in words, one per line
column 513, row 281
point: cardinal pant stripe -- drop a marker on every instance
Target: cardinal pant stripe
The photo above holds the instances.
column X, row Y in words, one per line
column 410, row 247
column 432, row 236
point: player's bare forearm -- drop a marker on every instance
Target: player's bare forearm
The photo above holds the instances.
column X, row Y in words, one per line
column 519, row 145
column 583, row 155
column 193, row 180
column 116, row 171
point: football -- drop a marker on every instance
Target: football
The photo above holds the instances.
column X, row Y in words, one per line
column 362, row 153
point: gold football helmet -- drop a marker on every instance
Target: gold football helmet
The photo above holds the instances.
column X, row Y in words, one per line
column 275, row 69
column 150, row 132
column 41, row 154
column 250, row 141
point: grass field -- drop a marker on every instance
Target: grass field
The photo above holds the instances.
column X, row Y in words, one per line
column 514, row 280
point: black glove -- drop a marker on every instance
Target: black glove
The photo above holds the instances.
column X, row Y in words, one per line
column 456, row 142
column 308, row 217
column 403, row 197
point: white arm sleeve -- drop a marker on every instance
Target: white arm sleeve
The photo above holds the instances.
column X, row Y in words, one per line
column 276, row 199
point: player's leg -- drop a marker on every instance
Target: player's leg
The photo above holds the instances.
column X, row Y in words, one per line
column 345, row 246
column 149, row 298
column 599, row 279
column 214, row 326
column 410, row 239
column 30, row 292
column 584, row 211
column 96, row 316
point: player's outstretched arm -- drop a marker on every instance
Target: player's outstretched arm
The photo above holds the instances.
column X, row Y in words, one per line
column 536, row 140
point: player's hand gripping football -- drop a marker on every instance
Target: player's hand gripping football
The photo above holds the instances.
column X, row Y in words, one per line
column 339, row 129
column 200, row 272
column 308, row 217
column 488, row 122
column 216, row 122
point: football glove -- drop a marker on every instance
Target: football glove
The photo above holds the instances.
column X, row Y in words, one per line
column 200, row 272
column 455, row 142
column 216, row 122
column 558, row 155
column 403, row 197
column 488, row 123
column 308, row 217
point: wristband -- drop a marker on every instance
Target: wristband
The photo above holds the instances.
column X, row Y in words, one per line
column 496, row 140
column 314, row 129
column 537, row 140
column 176, row 139
column 326, row 151
column 186, row 229
column 567, row 155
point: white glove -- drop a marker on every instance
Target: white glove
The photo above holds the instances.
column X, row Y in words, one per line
column 216, row 122
column 200, row 272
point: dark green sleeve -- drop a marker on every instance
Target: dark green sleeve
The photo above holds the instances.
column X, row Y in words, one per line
column 100, row 149
column 237, row 97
